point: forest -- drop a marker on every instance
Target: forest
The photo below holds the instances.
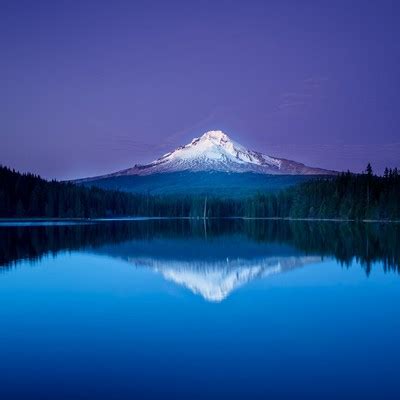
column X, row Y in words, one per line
column 346, row 196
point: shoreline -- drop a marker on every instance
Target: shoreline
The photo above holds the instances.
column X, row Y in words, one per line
column 5, row 221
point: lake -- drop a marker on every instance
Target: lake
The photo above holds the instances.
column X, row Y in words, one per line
column 187, row 309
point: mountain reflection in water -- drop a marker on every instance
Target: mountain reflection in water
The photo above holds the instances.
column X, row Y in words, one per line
column 214, row 258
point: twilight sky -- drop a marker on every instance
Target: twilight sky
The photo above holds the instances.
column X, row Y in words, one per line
column 90, row 87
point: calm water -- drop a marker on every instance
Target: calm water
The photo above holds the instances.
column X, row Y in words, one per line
column 180, row 309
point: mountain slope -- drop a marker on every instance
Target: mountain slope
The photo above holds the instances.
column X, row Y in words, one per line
column 233, row 185
column 215, row 151
column 212, row 163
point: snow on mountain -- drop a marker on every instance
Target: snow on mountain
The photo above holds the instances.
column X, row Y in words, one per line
column 215, row 151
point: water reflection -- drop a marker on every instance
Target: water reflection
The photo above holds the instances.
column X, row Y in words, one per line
column 211, row 260
column 214, row 281
column 212, row 268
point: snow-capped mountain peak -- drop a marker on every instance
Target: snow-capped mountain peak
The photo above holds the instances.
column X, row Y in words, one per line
column 215, row 135
column 216, row 151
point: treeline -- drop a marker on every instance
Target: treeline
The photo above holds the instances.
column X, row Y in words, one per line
column 346, row 196
column 28, row 195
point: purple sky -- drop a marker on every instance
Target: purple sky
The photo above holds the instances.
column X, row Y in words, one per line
column 92, row 87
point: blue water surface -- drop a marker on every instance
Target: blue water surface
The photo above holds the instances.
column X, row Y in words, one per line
column 100, row 322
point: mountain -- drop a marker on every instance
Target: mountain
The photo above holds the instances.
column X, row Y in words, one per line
column 215, row 151
column 212, row 162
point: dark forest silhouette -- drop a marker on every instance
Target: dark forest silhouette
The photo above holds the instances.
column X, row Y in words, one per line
column 346, row 196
